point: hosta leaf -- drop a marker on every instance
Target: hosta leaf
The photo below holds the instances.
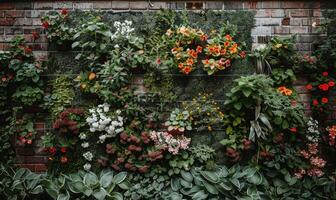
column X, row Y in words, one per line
column 120, row 177
column 186, row 176
column 210, row 176
column 210, row 188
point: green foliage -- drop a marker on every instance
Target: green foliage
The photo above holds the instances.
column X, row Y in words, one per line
column 179, row 120
column 61, row 96
column 28, row 95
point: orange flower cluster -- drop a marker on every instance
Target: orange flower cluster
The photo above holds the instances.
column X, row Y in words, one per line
column 221, row 55
column 285, row 91
column 184, row 50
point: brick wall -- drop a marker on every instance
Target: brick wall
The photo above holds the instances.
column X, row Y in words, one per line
column 272, row 18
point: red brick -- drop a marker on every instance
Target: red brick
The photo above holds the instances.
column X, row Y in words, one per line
column 41, row 168
column 7, row 21
column 40, row 125
column 14, row 13
column 272, row 4
column 299, row 29
column 104, row 5
column 31, row 159
column 281, row 30
column 43, row 5
column 263, row 13
column 301, row 13
column 6, row 6
column 293, row 4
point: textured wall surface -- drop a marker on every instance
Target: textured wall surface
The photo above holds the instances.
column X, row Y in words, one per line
column 271, row 18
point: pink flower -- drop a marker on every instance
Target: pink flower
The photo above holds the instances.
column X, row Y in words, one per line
column 317, row 161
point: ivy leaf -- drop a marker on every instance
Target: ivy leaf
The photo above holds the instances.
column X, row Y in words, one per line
column 237, row 105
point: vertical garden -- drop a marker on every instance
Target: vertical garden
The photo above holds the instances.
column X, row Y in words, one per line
column 168, row 105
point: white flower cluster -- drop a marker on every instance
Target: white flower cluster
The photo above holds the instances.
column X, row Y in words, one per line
column 313, row 133
column 88, row 156
column 85, row 144
column 101, row 121
column 124, row 29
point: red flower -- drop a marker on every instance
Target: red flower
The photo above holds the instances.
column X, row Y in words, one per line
column 187, row 70
column 324, row 87
column 64, row 11
column 309, row 87
column 331, row 83
column 158, row 61
column 35, row 35
column 315, row 102
column 45, row 24
column 27, row 50
column 242, row 54
column 63, row 149
column 52, row 150
column 325, row 74
column 64, row 159
column 293, row 130
column 324, row 100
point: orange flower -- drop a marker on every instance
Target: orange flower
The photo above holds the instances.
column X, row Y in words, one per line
column 199, row 49
column 187, row 70
column 180, row 65
column 228, row 37
column 204, row 37
column 285, row 91
column 192, row 53
column 223, row 52
column 226, row 44
column 190, row 61
column 206, row 61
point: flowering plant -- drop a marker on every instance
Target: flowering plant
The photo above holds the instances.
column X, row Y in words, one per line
column 186, row 46
column 108, row 123
column 204, row 112
column 320, row 88
column 172, row 144
column 25, row 130
column 179, row 121
column 332, row 135
column 221, row 50
column 58, row 28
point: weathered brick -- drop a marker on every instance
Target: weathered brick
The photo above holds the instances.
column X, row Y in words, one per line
column 104, row 5
column 306, row 38
column 280, row 30
column 233, row 5
column 31, row 159
column 13, row 31
column 252, row 5
column 295, row 22
column 82, row 6
column 194, row 5
column 214, row 5
column 158, row 5
column 299, row 29
column 23, row 5
column 278, row 13
column 2, row 30
column 6, row 6
column 301, row 13
column 7, row 21
column 43, row 5
column 122, row 5
column 271, row 4
column 268, row 21
column 139, row 5
column 14, row 13
column 317, row 13
column 262, row 30
column 293, row 4
column 263, row 39
column 263, row 13
column 303, row 46
column 23, row 22
column 25, row 151
column 62, row 4
column 38, row 13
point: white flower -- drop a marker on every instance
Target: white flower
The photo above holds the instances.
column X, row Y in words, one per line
column 85, row 145
column 87, row 166
column 88, row 155
column 82, row 136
